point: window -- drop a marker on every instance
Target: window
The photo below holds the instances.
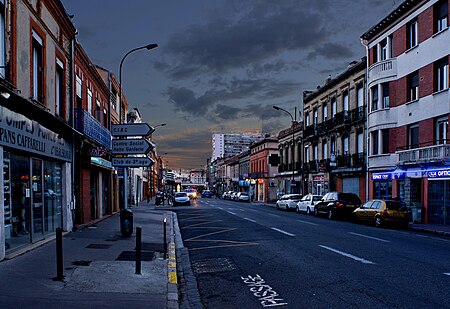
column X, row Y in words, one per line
column 383, row 50
column 315, row 152
column 59, row 84
column 374, row 142
column 89, row 93
column 346, row 145
column 345, row 101
column 375, row 54
column 413, row 136
column 333, row 107
column 385, row 99
column 441, row 130
column 37, row 67
column 333, row 145
column 2, row 41
column 374, row 91
column 315, row 117
column 441, row 69
column 325, row 112
column 306, row 119
column 412, row 34
column 413, row 86
column 325, row 150
column 307, row 153
column 385, row 141
column 360, row 140
column 441, row 15
column 360, row 94
column 114, row 99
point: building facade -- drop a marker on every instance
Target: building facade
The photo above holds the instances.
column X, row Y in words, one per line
column 334, row 135
column 36, row 136
column 408, row 55
column 227, row 145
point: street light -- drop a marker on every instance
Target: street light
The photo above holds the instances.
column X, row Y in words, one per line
column 293, row 143
column 125, row 169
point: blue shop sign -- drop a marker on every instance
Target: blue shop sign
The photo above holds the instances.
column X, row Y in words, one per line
column 438, row 174
column 381, row 176
column 244, row 183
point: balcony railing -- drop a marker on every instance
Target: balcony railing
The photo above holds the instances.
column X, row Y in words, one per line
column 382, row 69
column 435, row 153
column 87, row 124
column 344, row 160
column 358, row 159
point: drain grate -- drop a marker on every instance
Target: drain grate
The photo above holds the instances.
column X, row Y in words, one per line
column 212, row 265
column 81, row 263
column 98, row 246
column 131, row 256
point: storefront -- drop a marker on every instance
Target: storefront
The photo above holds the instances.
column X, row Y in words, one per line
column 438, row 208
column 36, row 178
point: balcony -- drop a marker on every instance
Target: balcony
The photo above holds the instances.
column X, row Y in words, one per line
column 383, row 69
column 430, row 154
column 357, row 114
column 358, row 159
column 344, row 160
column 91, row 127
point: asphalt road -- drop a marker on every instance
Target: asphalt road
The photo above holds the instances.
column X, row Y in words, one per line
column 255, row 256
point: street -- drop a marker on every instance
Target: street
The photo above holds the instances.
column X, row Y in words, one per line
column 255, row 256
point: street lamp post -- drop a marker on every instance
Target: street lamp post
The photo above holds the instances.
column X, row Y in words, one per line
column 125, row 170
column 293, row 144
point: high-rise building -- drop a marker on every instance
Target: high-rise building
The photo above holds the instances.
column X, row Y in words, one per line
column 227, row 145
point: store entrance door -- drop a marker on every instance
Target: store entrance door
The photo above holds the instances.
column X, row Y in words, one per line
column 37, row 226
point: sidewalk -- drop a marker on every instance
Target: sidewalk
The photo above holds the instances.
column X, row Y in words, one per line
column 99, row 268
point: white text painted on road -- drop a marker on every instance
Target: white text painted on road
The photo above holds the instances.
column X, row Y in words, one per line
column 369, row 237
column 266, row 295
column 284, row 232
column 230, row 212
column 250, row 220
column 347, row 255
column 306, row 222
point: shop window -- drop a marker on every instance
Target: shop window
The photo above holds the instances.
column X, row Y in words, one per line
column 382, row 190
column 413, row 86
column 441, row 130
column 441, row 15
column 413, row 136
column 441, row 74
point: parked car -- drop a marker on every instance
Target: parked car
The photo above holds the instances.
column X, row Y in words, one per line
column 207, row 193
column 334, row 204
column 181, row 198
column 288, row 201
column 226, row 195
column 192, row 193
column 306, row 204
column 380, row 213
column 233, row 196
column 242, row 197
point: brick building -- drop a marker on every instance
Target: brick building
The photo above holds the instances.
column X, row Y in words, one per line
column 408, row 55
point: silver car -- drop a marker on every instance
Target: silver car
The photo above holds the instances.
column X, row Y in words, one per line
column 288, row 201
column 307, row 203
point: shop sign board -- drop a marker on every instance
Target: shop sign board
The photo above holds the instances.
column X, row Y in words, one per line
column 20, row 132
column 131, row 129
column 132, row 146
column 133, row 162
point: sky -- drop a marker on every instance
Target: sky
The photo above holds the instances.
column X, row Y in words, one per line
column 221, row 64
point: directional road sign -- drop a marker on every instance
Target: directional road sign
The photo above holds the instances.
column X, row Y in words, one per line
column 131, row 146
column 132, row 129
column 133, row 162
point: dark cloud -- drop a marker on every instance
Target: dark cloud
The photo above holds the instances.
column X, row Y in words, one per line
column 274, row 67
column 331, row 51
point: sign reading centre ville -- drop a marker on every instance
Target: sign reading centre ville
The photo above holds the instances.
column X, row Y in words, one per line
column 133, row 162
column 131, row 146
column 132, row 129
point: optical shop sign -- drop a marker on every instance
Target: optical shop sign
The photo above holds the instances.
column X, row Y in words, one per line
column 19, row 132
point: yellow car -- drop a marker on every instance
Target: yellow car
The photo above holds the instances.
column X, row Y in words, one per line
column 381, row 212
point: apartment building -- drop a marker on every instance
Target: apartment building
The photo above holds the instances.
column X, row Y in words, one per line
column 334, row 141
column 408, row 54
column 230, row 144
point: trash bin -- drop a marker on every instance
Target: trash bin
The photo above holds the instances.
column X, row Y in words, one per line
column 126, row 222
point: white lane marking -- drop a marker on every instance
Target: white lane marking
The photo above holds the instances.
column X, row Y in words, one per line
column 281, row 231
column 448, row 274
column 250, row 220
column 435, row 238
column 240, row 209
column 230, row 212
column 347, row 255
column 370, row 237
column 307, row 222
column 422, row 236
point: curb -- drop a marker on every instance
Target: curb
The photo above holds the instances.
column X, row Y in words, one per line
column 172, row 284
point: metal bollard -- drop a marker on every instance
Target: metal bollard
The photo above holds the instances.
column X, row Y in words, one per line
column 59, row 255
column 138, row 249
column 165, row 239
